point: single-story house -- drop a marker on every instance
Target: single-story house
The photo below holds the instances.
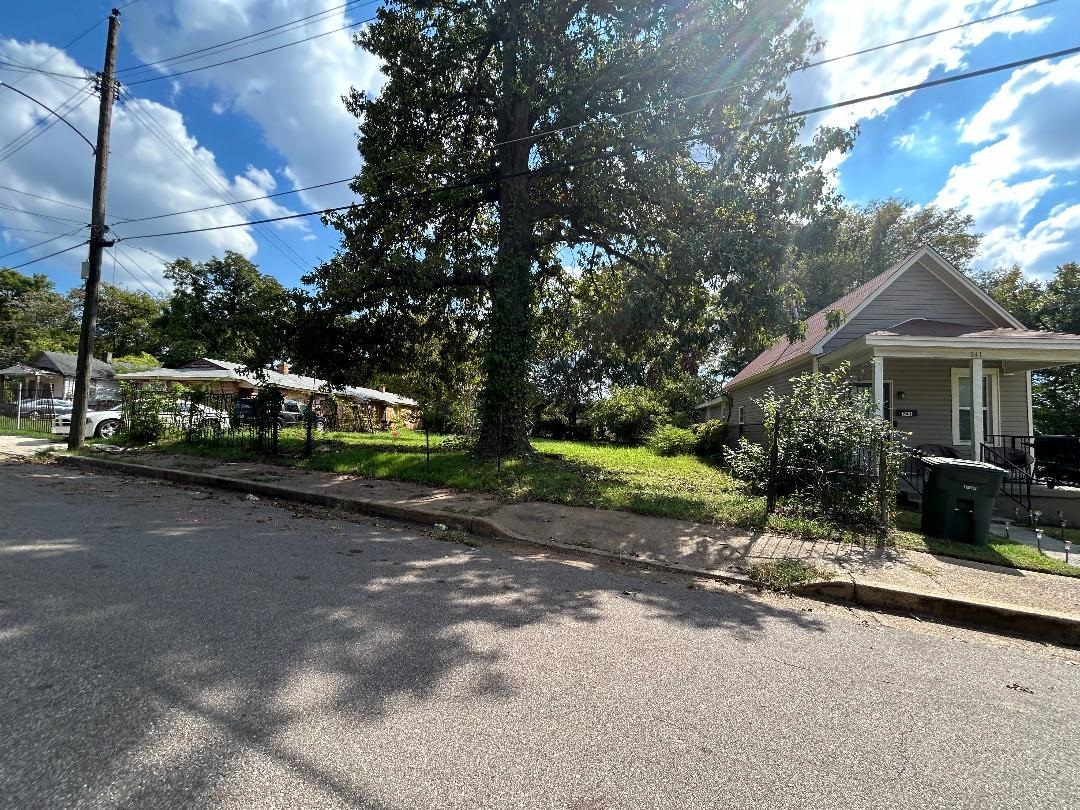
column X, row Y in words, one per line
column 235, row 379
column 51, row 375
column 915, row 336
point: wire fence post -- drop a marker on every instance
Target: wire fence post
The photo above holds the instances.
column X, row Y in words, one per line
column 427, row 446
column 309, row 425
column 774, row 462
column 18, row 408
column 275, row 415
column 883, row 485
column 498, row 444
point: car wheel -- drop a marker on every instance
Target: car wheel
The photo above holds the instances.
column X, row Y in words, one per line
column 108, row 429
column 320, row 425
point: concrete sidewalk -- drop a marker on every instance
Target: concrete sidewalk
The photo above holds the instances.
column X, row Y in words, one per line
column 875, row 576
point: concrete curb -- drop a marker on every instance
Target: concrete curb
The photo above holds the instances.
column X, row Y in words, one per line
column 1009, row 619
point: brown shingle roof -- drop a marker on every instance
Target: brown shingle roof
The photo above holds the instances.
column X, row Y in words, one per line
column 782, row 351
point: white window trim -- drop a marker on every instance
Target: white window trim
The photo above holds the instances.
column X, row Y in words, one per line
column 742, row 414
column 995, row 400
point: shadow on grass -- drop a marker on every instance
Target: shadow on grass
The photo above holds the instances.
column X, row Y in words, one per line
column 204, row 640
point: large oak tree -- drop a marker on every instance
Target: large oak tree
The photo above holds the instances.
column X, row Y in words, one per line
column 512, row 139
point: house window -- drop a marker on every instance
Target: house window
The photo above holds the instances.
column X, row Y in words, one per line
column 961, row 404
column 742, row 414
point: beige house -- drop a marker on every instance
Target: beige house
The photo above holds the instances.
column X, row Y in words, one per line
column 916, row 336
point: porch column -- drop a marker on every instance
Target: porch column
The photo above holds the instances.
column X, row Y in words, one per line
column 879, row 384
column 976, row 406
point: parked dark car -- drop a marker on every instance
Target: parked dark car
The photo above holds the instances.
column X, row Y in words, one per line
column 1057, row 459
column 291, row 415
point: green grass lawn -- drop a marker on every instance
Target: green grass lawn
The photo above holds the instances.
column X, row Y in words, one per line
column 998, row 552
column 596, row 474
column 11, row 430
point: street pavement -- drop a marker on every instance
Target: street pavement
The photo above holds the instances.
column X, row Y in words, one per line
column 165, row 647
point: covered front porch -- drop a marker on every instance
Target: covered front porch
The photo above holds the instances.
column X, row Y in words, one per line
column 922, row 371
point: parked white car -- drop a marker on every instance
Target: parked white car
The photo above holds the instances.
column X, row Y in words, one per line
column 102, row 424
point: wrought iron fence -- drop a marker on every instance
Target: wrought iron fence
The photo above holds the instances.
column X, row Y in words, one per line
column 29, row 414
column 820, row 469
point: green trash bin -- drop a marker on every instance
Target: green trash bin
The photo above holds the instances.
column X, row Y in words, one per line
column 958, row 499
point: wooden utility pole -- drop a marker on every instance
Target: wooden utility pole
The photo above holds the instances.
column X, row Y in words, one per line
column 98, row 242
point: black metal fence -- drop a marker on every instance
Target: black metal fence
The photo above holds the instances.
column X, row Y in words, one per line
column 256, row 421
column 25, row 414
column 821, row 468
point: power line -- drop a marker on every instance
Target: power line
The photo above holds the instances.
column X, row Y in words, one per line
column 42, row 197
column 625, row 113
column 39, row 244
column 39, row 128
column 624, row 150
column 49, row 256
column 212, row 183
column 250, row 55
column 231, row 44
column 17, row 67
column 71, row 126
column 30, row 230
column 16, row 209
column 917, row 37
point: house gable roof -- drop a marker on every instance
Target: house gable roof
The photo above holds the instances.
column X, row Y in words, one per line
column 817, row 333
column 66, row 364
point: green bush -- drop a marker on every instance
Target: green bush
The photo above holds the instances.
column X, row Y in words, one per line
column 629, row 413
column 829, row 449
column 142, row 411
column 668, row 440
column 711, row 438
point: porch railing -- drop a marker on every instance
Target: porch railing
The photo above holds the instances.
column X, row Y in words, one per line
column 913, row 472
column 1012, row 457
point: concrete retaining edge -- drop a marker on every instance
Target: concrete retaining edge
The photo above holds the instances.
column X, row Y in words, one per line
column 1008, row 619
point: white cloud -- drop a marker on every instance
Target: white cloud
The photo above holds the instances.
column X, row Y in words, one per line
column 293, row 95
column 1026, row 137
column 878, row 23
column 146, row 176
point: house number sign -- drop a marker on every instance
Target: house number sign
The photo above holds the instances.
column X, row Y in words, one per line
column 907, row 412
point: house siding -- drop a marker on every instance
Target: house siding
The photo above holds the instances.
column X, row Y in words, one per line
column 917, row 293
column 745, row 397
column 927, row 389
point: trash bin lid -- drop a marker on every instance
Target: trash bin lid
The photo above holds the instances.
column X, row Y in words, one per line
column 960, row 464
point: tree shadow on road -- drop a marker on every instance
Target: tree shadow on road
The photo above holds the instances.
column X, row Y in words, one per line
column 206, row 634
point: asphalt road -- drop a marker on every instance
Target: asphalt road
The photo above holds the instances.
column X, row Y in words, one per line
column 162, row 647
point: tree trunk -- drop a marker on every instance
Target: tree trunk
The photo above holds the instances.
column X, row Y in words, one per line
column 504, row 402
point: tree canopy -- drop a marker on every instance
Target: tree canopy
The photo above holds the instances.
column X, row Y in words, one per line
column 512, row 140
column 847, row 245
column 225, row 308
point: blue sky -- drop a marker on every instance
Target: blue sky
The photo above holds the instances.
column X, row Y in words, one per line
column 1001, row 147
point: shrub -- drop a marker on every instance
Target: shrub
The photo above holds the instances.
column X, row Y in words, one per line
column 668, row 440
column 629, row 413
column 142, row 412
column 711, row 438
column 829, row 449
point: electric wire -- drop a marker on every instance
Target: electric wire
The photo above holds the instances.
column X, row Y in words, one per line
column 630, row 149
